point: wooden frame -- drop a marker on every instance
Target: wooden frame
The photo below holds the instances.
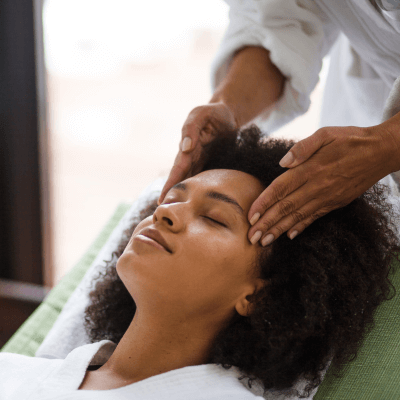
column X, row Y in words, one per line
column 25, row 218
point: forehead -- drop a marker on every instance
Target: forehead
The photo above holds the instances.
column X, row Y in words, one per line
column 242, row 186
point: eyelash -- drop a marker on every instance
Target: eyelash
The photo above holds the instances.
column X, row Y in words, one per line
column 213, row 220
column 217, row 222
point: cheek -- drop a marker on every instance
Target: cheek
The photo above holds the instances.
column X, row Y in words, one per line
column 142, row 224
column 210, row 247
column 220, row 252
column 214, row 263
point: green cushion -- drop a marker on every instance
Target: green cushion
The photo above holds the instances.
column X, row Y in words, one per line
column 29, row 336
column 373, row 375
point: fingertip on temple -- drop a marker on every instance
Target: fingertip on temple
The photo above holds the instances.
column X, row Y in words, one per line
column 254, row 218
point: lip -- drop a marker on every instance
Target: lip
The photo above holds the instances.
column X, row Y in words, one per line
column 156, row 236
column 151, row 242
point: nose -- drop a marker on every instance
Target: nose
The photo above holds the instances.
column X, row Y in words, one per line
column 168, row 214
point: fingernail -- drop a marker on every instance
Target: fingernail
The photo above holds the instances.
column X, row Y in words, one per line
column 287, row 160
column 256, row 237
column 268, row 239
column 254, row 218
column 293, row 234
column 187, row 142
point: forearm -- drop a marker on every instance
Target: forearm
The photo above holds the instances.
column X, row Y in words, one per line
column 252, row 84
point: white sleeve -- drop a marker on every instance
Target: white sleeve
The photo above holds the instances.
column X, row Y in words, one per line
column 298, row 35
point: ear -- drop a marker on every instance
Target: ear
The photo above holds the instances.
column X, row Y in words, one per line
column 244, row 306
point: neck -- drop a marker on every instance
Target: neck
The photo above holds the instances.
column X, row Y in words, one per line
column 150, row 347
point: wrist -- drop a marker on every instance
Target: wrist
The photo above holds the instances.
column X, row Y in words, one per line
column 251, row 86
column 219, row 100
column 390, row 130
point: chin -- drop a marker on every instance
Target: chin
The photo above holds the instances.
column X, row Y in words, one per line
column 126, row 261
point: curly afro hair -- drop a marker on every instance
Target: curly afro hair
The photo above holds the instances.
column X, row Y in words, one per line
column 324, row 286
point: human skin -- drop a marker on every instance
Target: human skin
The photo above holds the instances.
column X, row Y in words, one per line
column 186, row 298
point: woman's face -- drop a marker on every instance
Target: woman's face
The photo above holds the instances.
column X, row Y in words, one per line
column 209, row 267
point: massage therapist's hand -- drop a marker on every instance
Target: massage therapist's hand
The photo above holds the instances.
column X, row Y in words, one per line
column 201, row 126
column 331, row 168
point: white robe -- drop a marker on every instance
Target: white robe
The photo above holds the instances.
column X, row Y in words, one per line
column 35, row 378
column 365, row 55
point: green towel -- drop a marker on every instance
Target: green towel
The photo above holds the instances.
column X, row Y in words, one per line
column 375, row 373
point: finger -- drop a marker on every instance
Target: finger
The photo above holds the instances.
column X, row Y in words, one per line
column 190, row 135
column 175, row 176
column 281, row 187
column 187, row 144
column 294, row 229
column 297, row 221
column 178, row 172
column 275, row 217
column 185, row 165
column 305, row 148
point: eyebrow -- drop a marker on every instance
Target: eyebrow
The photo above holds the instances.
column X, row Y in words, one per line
column 214, row 195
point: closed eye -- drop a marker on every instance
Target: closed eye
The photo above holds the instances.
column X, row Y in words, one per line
column 217, row 222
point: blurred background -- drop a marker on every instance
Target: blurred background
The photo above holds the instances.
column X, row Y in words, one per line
column 102, row 90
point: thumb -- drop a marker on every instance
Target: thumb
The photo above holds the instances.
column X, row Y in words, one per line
column 177, row 174
column 190, row 137
column 304, row 149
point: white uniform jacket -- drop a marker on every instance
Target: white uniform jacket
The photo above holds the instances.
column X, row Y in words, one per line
column 363, row 39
